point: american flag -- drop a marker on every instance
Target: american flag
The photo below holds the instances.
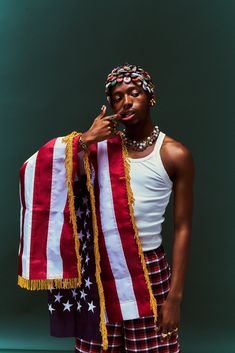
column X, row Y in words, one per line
column 47, row 252
column 75, row 312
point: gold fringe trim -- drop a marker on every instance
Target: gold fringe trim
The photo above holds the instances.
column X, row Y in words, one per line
column 69, row 173
column 45, row 284
column 153, row 302
column 103, row 328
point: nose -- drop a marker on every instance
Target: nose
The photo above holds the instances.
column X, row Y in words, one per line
column 127, row 101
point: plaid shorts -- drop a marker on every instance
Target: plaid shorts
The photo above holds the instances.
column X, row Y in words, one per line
column 140, row 335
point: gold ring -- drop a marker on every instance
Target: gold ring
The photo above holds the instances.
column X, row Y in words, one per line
column 169, row 333
column 164, row 335
column 175, row 329
column 115, row 126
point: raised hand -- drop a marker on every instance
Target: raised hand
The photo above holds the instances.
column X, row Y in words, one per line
column 102, row 128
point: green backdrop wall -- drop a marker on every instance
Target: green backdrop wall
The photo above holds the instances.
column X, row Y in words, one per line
column 54, row 57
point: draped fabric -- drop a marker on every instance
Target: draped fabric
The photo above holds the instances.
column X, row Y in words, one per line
column 49, row 251
column 47, row 256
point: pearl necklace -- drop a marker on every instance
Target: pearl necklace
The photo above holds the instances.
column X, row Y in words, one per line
column 142, row 144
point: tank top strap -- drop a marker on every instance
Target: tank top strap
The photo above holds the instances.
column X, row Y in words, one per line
column 159, row 141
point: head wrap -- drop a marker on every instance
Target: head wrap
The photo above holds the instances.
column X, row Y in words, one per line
column 130, row 73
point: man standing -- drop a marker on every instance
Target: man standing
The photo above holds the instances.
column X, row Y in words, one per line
column 158, row 165
column 130, row 175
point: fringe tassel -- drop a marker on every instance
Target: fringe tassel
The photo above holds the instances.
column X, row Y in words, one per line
column 153, row 302
column 103, row 328
column 69, row 174
column 45, row 284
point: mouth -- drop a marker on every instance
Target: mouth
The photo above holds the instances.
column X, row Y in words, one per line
column 128, row 115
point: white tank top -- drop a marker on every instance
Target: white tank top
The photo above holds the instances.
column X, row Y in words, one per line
column 151, row 188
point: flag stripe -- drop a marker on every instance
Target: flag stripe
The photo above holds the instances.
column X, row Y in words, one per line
column 124, row 224
column 22, row 216
column 110, row 290
column 41, row 211
column 67, row 248
column 28, row 196
column 113, row 242
column 56, row 217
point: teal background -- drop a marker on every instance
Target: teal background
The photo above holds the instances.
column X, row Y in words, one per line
column 54, row 57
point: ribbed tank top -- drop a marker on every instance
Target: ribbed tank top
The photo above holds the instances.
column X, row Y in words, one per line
column 151, row 188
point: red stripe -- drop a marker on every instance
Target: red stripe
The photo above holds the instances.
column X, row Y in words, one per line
column 41, row 211
column 126, row 231
column 22, row 197
column 67, row 248
column 113, row 308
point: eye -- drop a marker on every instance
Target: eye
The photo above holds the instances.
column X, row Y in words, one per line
column 135, row 93
column 116, row 99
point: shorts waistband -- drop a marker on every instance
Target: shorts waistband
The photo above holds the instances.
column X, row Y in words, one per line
column 158, row 251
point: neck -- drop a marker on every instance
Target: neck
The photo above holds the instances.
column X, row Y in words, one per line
column 139, row 131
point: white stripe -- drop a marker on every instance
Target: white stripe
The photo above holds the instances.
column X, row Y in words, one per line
column 56, row 217
column 29, row 190
column 113, row 243
column 21, row 219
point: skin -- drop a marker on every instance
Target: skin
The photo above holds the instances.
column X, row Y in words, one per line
column 179, row 165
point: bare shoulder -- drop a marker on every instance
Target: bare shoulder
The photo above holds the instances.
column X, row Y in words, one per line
column 175, row 149
column 176, row 157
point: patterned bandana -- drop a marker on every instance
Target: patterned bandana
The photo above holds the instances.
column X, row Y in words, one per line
column 126, row 74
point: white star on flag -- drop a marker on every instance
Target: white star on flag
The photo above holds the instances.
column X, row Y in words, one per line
column 74, row 292
column 79, row 306
column 88, row 282
column 58, row 297
column 84, row 247
column 85, row 223
column 79, row 213
column 50, row 308
column 85, row 200
column 80, row 235
column 83, row 294
column 67, row 306
column 88, row 235
column 88, row 212
column 83, row 270
column 87, row 259
column 91, row 306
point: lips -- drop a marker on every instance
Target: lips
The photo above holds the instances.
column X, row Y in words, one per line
column 128, row 114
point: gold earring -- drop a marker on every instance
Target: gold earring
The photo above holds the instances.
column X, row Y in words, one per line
column 152, row 102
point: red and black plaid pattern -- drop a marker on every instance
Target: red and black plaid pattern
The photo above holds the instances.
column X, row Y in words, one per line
column 140, row 335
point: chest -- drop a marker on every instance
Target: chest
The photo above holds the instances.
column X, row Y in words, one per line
column 163, row 155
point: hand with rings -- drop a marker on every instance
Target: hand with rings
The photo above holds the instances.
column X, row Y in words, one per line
column 168, row 318
column 169, row 333
column 103, row 127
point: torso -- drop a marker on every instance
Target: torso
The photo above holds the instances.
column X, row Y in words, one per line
column 152, row 188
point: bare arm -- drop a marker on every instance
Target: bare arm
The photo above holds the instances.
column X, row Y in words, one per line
column 183, row 210
column 182, row 168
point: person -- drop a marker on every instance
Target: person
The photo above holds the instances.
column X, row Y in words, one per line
column 130, row 176
column 158, row 165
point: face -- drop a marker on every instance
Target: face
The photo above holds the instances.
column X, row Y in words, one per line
column 131, row 101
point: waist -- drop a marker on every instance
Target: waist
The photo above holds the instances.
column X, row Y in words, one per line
column 159, row 251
